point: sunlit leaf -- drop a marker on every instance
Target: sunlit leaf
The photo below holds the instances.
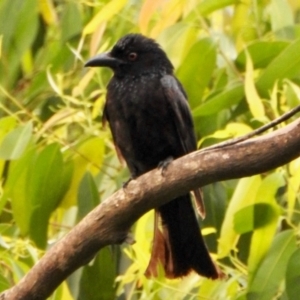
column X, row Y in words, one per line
column 47, row 10
column 252, row 97
column 21, row 207
column 244, row 195
column 195, row 73
column 105, row 13
column 292, row 277
column 272, row 270
column 88, row 196
column 87, row 157
column 170, row 13
column 261, row 53
column 281, row 67
column 253, row 217
column 208, row 6
column 101, row 275
column 15, row 142
column 263, row 236
column 281, row 14
column 70, row 21
column 226, row 99
column 146, row 12
column 293, row 187
column 48, row 182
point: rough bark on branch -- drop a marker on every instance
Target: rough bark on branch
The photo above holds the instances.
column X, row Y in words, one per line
column 109, row 222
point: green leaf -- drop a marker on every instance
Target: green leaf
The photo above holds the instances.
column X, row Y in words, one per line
column 17, row 177
column 281, row 14
column 89, row 156
column 70, row 21
column 19, row 25
column 15, row 142
column 47, row 186
column 285, row 65
column 262, row 237
column 101, row 276
column 253, row 217
column 262, row 53
column 4, row 284
column 244, row 194
column 292, row 277
column 226, row 99
column 255, row 103
column 271, row 272
column 108, row 11
column 196, row 70
column 88, row 196
column 208, row 6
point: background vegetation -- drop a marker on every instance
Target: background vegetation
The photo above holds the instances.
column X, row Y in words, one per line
column 239, row 62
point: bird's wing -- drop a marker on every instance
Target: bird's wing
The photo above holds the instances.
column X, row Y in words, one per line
column 180, row 111
column 183, row 123
column 105, row 119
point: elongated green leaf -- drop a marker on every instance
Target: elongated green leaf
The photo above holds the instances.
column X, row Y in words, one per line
column 88, row 156
column 254, row 216
column 4, row 284
column 244, row 195
column 47, row 187
column 285, row 65
column 18, row 25
column 109, row 10
column 262, row 237
column 281, row 14
column 101, row 276
column 272, row 270
column 262, row 53
column 223, row 100
column 17, row 177
column 292, row 277
column 208, row 6
column 253, row 99
column 195, row 73
column 15, row 142
column 71, row 21
column 88, row 196
column 6, row 125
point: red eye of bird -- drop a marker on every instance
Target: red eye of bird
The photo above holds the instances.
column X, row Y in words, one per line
column 132, row 56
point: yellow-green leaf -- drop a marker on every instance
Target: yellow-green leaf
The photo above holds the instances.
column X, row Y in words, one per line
column 255, row 104
column 243, row 196
column 105, row 13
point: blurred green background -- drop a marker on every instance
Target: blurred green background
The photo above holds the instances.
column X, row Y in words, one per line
column 239, row 62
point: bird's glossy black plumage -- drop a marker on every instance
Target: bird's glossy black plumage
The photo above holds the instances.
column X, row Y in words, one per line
column 150, row 120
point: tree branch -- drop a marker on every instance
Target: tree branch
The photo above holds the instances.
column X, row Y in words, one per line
column 109, row 222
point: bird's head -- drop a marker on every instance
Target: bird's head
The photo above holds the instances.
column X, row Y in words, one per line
column 134, row 54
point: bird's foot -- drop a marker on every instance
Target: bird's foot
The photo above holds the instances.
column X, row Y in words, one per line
column 129, row 239
column 124, row 184
column 163, row 165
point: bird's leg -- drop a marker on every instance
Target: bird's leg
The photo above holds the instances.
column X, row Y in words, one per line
column 132, row 177
column 130, row 239
column 163, row 165
column 125, row 183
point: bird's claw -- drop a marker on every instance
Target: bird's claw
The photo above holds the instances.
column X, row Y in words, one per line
column 163, row 165
column 130, row 239
column 124, row 184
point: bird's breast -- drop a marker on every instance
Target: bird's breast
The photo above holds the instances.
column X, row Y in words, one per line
column 140, row 120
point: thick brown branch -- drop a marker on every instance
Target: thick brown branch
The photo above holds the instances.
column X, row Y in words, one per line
column 110, row 221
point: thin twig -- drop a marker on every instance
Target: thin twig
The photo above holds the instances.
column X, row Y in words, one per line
column 255, row 132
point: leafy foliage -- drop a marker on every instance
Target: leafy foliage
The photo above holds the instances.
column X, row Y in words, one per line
column 239, row 63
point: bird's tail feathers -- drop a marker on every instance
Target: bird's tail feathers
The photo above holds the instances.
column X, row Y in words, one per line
column 178, row 244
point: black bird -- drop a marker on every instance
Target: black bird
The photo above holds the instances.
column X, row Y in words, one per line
column 150, row 121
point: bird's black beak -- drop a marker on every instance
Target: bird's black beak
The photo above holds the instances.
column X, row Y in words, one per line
column 103, row 60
